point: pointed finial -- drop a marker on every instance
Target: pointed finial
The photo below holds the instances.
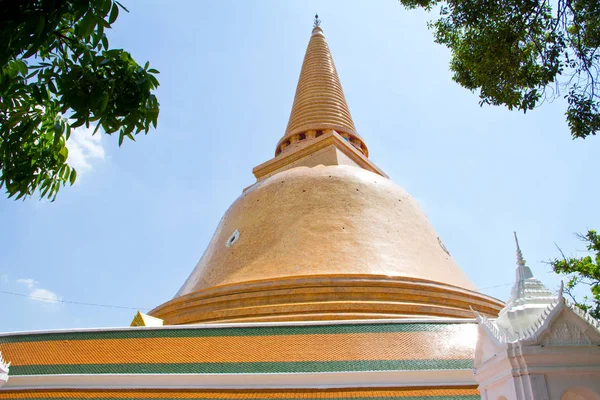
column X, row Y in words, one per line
column 561, row 291
column 317, row 22
column 520, row 260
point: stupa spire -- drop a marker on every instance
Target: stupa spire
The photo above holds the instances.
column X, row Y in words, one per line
column 523, row 271
column 319, row 104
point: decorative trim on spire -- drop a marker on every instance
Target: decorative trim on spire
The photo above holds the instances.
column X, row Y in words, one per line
column 526, row 287
column 319, row 103
column 520, row 260
column 523, row 272
column 561, row 292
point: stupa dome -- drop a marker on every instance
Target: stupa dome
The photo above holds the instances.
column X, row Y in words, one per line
column 321, row 221
column 327, row 242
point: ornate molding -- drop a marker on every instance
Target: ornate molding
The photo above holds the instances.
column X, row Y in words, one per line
column 267, row 168
column 583, row 315
column 563, row 334
column 4, row 367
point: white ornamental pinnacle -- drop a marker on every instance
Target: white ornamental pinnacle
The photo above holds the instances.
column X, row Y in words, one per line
column 528, row 300
column 4, row 366
column 520, row 260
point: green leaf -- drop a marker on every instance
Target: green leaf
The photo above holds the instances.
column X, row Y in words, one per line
column 41, row 23
column 87, row 24
column 64, row 154
column 21, row 67
column 34, row 73
column 52, row 86
column 73, row 176
column 104, row 102
column 37, row 94
column 122, row 6
column 153, row 71
column 57, row 132
column 45, row 191
column 78, row 123
column 64, row 172
column 106, row 4
column 114, row 14
column 98, row 125
column 114, row 53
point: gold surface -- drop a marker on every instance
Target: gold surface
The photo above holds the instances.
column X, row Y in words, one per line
column 326, row 226
column 142, row 319
column 326, row 297
column 324, row 220
column 319, row 103
column 327, row 149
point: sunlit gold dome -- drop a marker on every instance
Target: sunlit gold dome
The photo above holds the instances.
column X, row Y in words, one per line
column 328, row 242
column 323, row 234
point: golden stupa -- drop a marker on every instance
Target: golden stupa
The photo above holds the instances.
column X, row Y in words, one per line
column 323, row 280
column 323, row 234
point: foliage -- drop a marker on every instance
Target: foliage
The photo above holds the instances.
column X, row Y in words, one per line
column 583, row 271
column 57, row 73
column 520, row 53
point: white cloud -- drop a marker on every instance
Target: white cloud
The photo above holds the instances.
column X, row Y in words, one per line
column 84, row 148
column 43, row 295
column 27, row 282
column 37, row 293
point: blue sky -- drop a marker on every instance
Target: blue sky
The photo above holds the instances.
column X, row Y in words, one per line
column 140, row 216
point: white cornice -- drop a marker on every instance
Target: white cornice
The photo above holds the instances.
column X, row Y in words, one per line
column 246, row 381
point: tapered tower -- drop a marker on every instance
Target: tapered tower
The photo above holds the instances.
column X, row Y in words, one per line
column 319, row 103
column 323, row 234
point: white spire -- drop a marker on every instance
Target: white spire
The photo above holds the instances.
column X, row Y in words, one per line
column 523, row 271
column 528, row 299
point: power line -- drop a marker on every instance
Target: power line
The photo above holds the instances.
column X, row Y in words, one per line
column 79, row 303
column 496, row 286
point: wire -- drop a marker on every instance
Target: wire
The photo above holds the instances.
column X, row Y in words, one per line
column 79, row 303
column 54, row 300
column 496, row 286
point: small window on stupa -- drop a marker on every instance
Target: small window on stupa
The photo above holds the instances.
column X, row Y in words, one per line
column 233, row 238
column 443, row 246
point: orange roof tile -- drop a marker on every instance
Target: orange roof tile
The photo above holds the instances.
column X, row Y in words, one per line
column 231, row 350
column 441, row 393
